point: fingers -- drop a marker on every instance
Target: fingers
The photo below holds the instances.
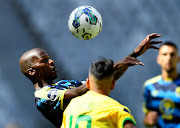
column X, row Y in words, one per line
column 154, row 35
column 155, row 42
column 154, row 47
column 134, row 61
column 140, row 63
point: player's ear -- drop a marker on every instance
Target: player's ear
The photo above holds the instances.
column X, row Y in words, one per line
column 113, row 84
column 31, row 71
column 87, row 83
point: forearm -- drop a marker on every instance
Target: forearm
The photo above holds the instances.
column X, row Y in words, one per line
column 121, row 66
column 119, row 72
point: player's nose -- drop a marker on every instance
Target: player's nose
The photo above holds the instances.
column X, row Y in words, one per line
column 51, row 62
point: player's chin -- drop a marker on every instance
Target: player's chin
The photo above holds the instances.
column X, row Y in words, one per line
column 54, row 75
column 170, row 69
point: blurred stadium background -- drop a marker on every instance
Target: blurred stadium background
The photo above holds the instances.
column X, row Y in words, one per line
column 26, row 24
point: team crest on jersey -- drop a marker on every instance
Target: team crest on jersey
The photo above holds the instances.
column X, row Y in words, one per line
column 167, row 107
column 52, row 94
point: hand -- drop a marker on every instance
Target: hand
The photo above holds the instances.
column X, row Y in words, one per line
column 127, row 61
column 147, row 43
column 122, row 65
column 151, row 118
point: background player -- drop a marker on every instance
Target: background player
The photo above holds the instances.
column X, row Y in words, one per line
column 51, row 98
column 162, row 93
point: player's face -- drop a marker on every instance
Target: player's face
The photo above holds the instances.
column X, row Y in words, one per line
column 45, row 67
column 168, row 58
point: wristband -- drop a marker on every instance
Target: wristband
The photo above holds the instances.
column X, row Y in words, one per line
column 133, row 54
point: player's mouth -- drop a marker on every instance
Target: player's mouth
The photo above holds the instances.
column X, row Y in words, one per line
column 54, row 69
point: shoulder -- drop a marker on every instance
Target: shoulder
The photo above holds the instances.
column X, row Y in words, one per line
column 49, row 92
column 116, row 106
column 67, row 84
column 123, row 113
column 152, row 80
column 124, row 109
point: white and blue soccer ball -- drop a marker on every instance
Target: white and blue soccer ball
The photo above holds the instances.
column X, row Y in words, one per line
column 85, row 22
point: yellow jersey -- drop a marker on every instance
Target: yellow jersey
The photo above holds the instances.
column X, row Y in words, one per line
column 94, row 110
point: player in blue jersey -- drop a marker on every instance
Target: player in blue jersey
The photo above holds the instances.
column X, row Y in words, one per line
column 162, row 93
column 52, row 98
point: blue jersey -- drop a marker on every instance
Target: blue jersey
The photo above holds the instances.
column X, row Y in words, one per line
column 49, row 100
column 163, row 96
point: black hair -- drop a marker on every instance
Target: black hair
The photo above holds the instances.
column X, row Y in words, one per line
column 169, row 43
column 102, row 68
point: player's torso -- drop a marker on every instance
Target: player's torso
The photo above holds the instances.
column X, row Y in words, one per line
column 165, row 98
column 49, row 100
column 93, row 111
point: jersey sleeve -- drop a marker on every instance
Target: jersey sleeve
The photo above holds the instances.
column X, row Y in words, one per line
column 49, row 99
column 68, row 84
column 147, row 99
column 123, row 114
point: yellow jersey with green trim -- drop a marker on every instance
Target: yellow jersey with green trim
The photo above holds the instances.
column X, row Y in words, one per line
column 94, row 110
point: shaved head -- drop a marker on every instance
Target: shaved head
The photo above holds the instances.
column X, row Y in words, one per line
column 27, row 59
column 37, row 66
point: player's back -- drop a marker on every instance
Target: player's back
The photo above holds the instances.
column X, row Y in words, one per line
column 93, row 110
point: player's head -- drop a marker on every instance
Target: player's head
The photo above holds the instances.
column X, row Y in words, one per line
column 168, row 56
column 101, row 75
column 36, row 65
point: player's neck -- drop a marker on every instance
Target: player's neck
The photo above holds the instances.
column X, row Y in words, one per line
column 41, row 84
column 101, row 91
column 169, row 75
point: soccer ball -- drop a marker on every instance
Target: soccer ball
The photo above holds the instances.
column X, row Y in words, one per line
column 85, row 22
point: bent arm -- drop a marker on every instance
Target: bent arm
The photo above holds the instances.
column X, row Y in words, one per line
column 72, row 93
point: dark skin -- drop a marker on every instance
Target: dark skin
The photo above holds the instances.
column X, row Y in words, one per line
column 122, row 65
column 41, row 70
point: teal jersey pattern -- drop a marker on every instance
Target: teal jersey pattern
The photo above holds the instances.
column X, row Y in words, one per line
column 163, row 96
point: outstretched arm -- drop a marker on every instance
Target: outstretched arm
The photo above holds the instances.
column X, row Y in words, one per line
column 121, row 66
column 146, row 44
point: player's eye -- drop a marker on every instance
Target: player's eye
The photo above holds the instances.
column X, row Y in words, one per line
column 164, row 54
column 45, row 60
column 173, row 54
